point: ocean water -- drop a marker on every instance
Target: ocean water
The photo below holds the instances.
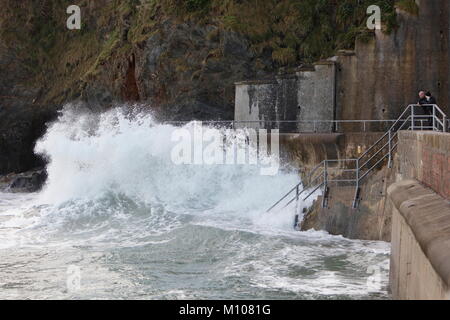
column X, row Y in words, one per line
column 118, row 219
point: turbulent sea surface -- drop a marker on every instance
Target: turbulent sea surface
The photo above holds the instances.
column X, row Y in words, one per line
column 119, row 217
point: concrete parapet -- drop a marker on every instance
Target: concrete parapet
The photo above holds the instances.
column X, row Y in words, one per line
column 304, row 96
column 420, row 254
column 425, row 156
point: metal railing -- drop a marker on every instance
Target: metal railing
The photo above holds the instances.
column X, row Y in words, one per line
column 298, row 126
column 354, row 171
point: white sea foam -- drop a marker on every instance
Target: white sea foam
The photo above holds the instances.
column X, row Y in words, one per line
column 114, row 153
column 116, row 205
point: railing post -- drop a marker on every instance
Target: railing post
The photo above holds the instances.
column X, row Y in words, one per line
column 355, row 200
column 390, row 149
column 444, row 127
column 412, row 118
column 325, row 184
column 296, row 205
column 434, row 119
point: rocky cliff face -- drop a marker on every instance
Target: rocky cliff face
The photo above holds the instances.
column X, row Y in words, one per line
column 22, row 120
column 189, row 71
column 180, row 58
column 126, row 52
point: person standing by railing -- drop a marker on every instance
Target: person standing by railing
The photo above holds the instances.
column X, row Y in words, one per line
column 425, row 100
column 422, row 98
column 429, row 109
column 430, row 98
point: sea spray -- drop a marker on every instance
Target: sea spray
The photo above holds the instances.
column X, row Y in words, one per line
column 91, row 155
column 134, row 225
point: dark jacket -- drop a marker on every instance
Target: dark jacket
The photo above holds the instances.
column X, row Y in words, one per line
column 423, row 101
column 432, row 101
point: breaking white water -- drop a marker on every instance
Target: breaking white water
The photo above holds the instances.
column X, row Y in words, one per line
column 118, row 219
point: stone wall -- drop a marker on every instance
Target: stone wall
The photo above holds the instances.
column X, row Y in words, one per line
column 255, row 103
column 425, row 156
column 316, row 97
column 370, row 221
column 420, row 155
column 307, row 95
column 420, row 249
column 382, row 76
column 376, row 81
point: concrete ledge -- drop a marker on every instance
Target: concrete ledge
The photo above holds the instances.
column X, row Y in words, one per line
column 313, row 137
column 255, row 82
column 436, row 140
column 425, row 156
column 427, row 215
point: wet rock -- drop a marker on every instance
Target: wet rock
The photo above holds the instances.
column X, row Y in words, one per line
column 20, row 127
column 30, row 181
column 22, row 117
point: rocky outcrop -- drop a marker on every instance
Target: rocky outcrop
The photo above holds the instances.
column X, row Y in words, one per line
column 188, row 71
column 22, row 120
column 179, row 70
column 30, row 181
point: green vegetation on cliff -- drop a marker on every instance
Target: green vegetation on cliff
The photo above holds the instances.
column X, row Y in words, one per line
column 290, row 32
column 408, row 6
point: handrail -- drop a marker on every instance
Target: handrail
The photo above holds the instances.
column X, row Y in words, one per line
column 437, row 108
column 404, row 120
column 383, row 156
column 360, row 158
column 390, row 129
column 409, row 121
column 282, row 121
column 312, row 126
column 296, row 187
column 284, row 197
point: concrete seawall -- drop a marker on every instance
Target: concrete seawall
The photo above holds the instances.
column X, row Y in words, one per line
column 371, row 220
column 420, row 208
column 305, row 151
column 425, row 156
column 420, row 245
